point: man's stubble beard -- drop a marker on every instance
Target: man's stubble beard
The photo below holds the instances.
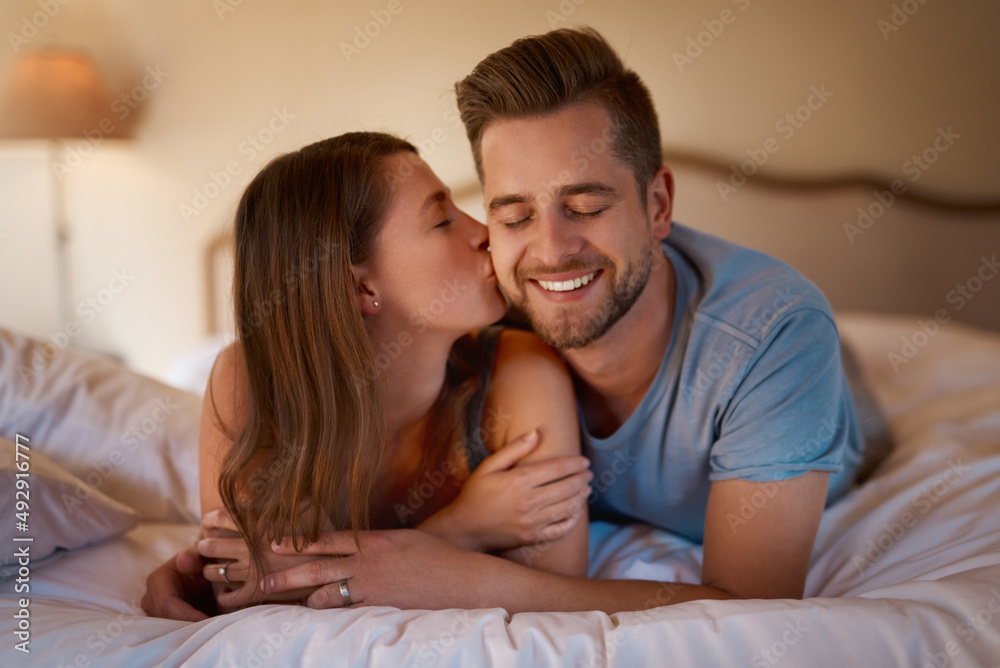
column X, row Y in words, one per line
column 570, row 328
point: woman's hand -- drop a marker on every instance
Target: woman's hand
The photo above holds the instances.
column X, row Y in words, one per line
column 503, row 506
column 228, row 558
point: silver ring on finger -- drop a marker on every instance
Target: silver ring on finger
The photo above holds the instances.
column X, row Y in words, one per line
column 345, row 594
column 224, row 572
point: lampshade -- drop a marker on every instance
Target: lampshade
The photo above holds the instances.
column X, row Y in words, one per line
column 52, row 94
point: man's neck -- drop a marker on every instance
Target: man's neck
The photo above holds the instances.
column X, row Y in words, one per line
column 613, row 374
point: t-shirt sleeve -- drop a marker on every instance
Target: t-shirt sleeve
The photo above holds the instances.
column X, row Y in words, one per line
column 792, row 411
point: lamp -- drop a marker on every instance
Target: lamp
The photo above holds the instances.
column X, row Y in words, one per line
column 56, row 94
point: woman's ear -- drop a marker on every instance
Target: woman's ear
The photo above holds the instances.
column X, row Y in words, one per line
column 366, row 292
column 660, row 203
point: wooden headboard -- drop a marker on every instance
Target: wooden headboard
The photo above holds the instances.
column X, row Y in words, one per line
column 866, row 247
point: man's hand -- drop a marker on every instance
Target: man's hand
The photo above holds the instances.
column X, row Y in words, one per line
column 410, row 569
column 505, row 504
column 401, row 568
column 177, row 590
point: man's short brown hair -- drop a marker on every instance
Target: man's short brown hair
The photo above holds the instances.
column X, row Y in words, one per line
column 546, row 73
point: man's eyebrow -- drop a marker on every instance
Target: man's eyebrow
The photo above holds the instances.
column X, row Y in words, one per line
column 506, row 200
column 588, row 188
column 433, row 198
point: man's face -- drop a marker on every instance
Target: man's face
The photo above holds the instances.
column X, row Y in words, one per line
column 571, row 241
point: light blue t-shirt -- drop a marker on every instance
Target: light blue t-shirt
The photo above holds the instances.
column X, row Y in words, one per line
column 751, row 387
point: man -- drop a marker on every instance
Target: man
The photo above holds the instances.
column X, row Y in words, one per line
column 709, row 376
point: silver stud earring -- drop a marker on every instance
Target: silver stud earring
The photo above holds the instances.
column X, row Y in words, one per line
column 375, row 303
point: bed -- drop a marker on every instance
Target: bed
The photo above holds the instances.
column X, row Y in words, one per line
column 905, row 570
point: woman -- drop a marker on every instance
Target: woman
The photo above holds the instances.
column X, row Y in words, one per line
column 354, row 395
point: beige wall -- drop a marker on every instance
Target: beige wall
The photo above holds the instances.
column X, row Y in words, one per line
column 223, row 76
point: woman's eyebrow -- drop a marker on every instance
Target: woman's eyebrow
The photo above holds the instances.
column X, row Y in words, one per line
column 433, row 198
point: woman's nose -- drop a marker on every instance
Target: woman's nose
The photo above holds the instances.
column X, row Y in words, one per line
column 479, row 236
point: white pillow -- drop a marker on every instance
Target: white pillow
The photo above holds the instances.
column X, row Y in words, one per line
column 52, row 507
column 125, row 435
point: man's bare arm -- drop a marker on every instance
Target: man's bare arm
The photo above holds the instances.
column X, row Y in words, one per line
column 765, row 557
column 411, row 569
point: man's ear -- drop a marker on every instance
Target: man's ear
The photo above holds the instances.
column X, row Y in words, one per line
column 365, row 291
column 660, row 203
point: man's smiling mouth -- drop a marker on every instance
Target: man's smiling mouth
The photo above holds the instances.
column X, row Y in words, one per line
column 566, row 286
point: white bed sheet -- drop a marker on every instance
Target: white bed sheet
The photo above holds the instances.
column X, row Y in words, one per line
column 925, row 594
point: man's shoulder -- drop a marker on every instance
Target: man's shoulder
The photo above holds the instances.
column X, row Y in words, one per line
column 740, row 289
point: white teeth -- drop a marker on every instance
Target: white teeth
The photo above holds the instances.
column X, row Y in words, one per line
column 566, row 286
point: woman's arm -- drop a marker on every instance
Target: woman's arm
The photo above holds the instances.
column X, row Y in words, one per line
column 179, row 588
column 530, row 495
column 223, row 411
column 222, row 404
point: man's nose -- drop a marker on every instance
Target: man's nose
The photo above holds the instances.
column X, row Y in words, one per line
column 554, row 240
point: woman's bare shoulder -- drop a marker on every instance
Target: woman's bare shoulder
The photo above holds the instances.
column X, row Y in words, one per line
column 226, row 387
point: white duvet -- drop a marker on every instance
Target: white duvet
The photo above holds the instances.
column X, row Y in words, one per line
column 905, row 571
